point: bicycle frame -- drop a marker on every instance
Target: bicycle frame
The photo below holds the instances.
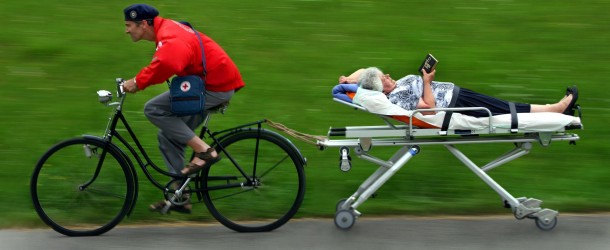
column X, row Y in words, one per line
column 144, row 161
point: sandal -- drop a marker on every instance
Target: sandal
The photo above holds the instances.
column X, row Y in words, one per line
column 206, row 156
column 164, row 207
column 574, row 92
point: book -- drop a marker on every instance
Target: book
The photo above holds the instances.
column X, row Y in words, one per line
column 429, row 64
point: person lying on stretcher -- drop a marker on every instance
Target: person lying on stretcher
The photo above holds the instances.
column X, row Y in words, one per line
column 421, row 92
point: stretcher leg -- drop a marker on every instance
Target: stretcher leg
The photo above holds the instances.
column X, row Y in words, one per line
column 384, row 167
column 521, row 149
column 346, row 209
column 546, row 219
column 479, row 172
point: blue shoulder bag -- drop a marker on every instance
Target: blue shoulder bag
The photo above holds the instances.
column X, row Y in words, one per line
column 187, row 93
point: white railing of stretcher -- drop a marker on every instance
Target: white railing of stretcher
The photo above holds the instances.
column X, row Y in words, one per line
column 407, row 132
column 490, row 127
column 414, row 130
column 385, row 117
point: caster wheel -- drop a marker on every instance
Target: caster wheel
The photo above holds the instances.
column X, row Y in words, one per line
column 417, row 149
column 340, row 204
column 546, row 226
column 346, row 149
column 345, row 161
column 344, row 219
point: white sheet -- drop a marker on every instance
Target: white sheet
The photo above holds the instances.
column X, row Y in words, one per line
column 377, row 103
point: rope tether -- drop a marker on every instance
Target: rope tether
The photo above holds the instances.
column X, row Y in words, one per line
column 311, row 139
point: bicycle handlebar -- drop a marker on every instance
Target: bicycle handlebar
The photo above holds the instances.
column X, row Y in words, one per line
column 119, row 87
column 105, row 96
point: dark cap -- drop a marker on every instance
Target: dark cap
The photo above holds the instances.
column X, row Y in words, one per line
column 139, row 12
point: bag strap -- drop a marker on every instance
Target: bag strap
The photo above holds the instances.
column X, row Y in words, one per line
column 205, row 72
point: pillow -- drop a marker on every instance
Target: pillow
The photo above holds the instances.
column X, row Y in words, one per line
column 347, row 92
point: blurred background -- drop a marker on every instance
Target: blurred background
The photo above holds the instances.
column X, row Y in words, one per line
column 54, row 56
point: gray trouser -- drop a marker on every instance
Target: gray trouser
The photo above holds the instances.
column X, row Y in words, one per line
column 175, row 131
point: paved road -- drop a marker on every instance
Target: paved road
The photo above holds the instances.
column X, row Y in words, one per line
column 580, row 232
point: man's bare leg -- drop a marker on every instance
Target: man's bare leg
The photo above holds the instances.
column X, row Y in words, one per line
column 198, row 145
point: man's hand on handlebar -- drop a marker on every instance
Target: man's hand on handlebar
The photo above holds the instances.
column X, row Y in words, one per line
column 130, row 86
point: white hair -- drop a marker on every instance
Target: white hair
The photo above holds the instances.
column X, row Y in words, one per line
column 371, row 79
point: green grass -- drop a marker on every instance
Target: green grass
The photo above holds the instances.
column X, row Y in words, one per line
column 55, row 55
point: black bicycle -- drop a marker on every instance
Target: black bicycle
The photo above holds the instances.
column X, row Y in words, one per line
column 85, row 186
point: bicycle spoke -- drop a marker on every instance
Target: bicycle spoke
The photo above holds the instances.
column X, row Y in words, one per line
column 270, row 198
column 274, row 166
column 103, row 192
column 230, row 195
column 78, row 195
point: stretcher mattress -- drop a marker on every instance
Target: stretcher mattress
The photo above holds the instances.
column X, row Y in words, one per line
column 377, row 103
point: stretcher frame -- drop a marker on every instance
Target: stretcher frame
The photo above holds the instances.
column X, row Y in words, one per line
column 409, row 138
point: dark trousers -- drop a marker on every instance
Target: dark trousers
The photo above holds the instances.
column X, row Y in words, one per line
column 469, row 98
column 174, row 131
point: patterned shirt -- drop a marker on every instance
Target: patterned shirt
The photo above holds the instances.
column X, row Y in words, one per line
column 410, row 89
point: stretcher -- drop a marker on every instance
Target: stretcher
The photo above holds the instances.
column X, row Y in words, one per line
column 401, row 131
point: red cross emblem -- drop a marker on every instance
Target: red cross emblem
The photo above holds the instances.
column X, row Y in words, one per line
column 185, row 86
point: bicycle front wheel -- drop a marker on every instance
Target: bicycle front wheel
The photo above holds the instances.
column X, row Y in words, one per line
column 258, row 185
column 82, row 187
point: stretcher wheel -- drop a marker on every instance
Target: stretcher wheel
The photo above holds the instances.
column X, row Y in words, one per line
column 345, row 161
column 417, row 148
column 546, row 226
column 345, row 219
column 344, row 148
column 340, row 204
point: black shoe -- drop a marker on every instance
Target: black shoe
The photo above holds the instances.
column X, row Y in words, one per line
column 183, row 209
column 574, row 92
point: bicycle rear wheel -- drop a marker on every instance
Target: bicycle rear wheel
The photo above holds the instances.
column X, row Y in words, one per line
column 82, row 187
column 258, row 185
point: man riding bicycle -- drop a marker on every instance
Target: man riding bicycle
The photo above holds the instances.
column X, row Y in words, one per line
column 178, row 52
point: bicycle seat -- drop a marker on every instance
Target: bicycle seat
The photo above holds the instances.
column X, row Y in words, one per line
column 220, row 108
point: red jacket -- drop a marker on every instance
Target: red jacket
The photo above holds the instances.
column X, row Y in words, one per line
column 178, row 53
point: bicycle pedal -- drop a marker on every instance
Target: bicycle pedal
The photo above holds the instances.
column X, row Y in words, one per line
column 165, row 209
